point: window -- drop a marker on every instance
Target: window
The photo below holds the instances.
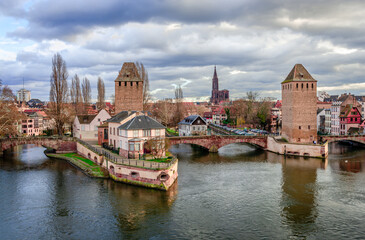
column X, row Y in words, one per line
column 131, row 84
column 297, row 85
column 110, row 131
column 120, row 83
column 136, row 146
column 302, row 85
column 157, row 132
column 131, row 146
column 98, row 119
column 300, row 127
column 96, row 128
column 82, row 127
column 135, row 133
column 307, row 85
column 125, row 84
column 312, row 85
column 309, row 126
column 113, row 131
column 146, row 133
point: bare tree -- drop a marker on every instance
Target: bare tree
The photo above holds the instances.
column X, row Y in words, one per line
column 146, row 84
column 59, row 93
column 179, row 113
column 86, row 91
column 164, row 111
column 75, row 92
column 251, row 110
column 101, row 94
column 157, row 146
column 9, row 114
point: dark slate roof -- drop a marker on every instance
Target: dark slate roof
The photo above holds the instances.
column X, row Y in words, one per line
column 332, row 98
column 85, row 119
column 120, row 116
column 141, row 122
column 299, row 73
column 191, row 119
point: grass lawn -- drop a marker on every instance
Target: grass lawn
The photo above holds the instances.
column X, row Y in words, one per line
column 85, row 164
column 75, row 155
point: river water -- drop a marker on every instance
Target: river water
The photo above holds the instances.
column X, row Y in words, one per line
column 240, row 193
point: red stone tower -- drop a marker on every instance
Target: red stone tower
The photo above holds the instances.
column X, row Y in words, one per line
column 299, row 106
column 128, row 89
column 215, row 88
column 217, row 95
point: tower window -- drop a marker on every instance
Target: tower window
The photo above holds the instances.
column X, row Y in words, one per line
column 137, row 84
column 131, row 84
column 312, row 85
column 120, row 84
column 300, row 127
column 302, row 85
column 125, row 84
column 307, row 85
column 297, row 85
column 309, row 126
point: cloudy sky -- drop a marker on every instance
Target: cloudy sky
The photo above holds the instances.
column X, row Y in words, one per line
column 253, row 43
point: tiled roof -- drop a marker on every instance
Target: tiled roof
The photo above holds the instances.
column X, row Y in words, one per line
column 120, row 116
column 85, row 119
column 189, row 120
column 128, row 73
column 299, row 73
column 141, row 122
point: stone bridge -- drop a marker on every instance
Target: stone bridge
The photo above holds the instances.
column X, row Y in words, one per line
column 338, row 138
column 214, row 142
column 60, row 144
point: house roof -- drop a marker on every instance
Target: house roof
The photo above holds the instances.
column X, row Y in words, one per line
column 347, row 110
column 299, row 73
column 85, row 119
column 191, row 119
column 141, row 122
column 120, row 116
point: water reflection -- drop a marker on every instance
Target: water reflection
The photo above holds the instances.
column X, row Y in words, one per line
column 134, row 206
column 299, row 194
column 347, row 158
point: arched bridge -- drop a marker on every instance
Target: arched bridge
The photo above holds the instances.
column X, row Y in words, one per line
column 338, row 138
column 214, row 142
column 60, row 144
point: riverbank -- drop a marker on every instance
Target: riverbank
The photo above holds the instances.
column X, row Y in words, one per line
column 85, row 165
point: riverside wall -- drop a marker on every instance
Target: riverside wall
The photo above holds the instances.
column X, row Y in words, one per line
column 136, row 172
column 297, row 149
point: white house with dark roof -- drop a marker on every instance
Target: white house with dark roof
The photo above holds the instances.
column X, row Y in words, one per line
column 193, row 125
column 132, row 132
column 86, row 126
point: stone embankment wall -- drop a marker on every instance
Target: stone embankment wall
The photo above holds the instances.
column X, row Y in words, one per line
column 137, row 172
column 310, row 150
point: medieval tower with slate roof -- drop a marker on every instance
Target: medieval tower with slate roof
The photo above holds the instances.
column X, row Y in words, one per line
column 128, row 89
column 299, row 106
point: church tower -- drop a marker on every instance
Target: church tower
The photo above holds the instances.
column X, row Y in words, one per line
column 128, row 89
column 299, row 106
column 215, row 88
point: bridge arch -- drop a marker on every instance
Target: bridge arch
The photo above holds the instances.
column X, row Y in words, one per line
column 356, row 139
column 214, row 142
column 57, row 143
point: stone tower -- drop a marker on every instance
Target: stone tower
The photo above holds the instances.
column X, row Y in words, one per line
column 299, row 106
column 215, row 88
column 128, row 89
